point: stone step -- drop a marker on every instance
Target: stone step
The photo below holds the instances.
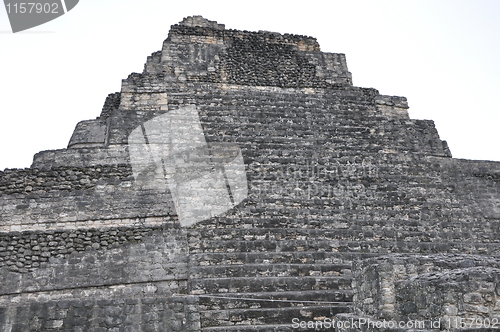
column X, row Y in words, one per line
column 291, row 212
column 266, row 284
column 295, row 129
column 261, row 108
column 268, row 119
column 359, row 136
column 296, row 328
column 255, row 317
column 324, row 224
column 362, row 231
column 273, row 299
column 252, row 328
column 304, row 257
column 270, row 270
column 278, row 328
column 343, row 129
column 361, row 245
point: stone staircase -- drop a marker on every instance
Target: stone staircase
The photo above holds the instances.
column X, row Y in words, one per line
column 251, row 287
column 258, row 279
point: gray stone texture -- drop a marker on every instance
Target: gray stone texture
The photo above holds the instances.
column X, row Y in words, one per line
column 336, row 174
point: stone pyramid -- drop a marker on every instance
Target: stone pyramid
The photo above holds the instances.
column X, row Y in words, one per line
column 241, row 182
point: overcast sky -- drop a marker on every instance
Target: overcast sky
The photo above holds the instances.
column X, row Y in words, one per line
column 442, row 55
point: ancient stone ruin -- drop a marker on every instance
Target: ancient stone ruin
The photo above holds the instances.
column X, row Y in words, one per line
column 241, row 182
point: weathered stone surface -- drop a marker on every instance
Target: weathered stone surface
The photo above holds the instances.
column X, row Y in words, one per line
column 336, row 174
column 451, row 291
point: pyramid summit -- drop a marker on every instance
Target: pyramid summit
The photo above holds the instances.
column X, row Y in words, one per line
column 241, row 182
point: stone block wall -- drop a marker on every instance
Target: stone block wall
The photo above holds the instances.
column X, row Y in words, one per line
column 105, row 313
column 93, row 157
column 69, row 197
column 457, row 290
column 112, row 102
column 392, row 106
column 52, row 260
column 96, row 280
column 209, row 53
column 468, row 297
column 36, row 181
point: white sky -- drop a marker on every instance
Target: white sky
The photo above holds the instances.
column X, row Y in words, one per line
column 443, row 55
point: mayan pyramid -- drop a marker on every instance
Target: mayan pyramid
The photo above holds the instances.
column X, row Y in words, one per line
column 241, row 182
